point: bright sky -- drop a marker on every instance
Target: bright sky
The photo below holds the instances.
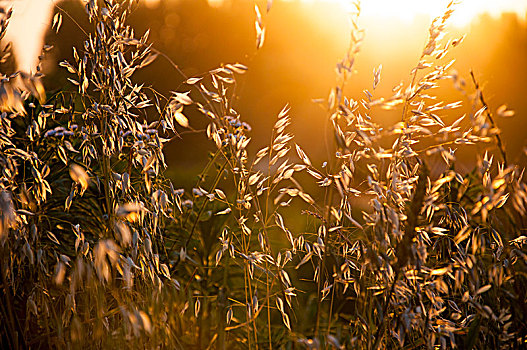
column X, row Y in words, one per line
column 406, row 10
column 465, row 11
column 26, row 29
column 32, row 17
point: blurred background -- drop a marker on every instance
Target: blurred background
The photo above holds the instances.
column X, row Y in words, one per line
column 304, row 41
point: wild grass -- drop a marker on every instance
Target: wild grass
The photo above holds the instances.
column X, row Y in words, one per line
column 98, row 249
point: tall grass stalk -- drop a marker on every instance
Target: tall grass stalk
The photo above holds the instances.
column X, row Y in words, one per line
column 99, row 249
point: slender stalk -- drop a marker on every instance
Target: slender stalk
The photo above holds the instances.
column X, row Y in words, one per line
column 501, row 147
column 379, row 334
column 331, row 302
column 409, row 98
column 194, row 225
column 268, row 303
column 321, row 268
column 12, row 335
column 106, row 168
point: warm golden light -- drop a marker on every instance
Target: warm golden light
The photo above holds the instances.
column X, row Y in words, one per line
column 215, row 3
column 407, row 10
column 152, row 3
column 26, row 29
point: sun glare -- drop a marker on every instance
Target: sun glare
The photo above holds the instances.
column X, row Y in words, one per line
column 408, row 10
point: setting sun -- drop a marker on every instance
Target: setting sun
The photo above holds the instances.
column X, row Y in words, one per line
column 407, row 10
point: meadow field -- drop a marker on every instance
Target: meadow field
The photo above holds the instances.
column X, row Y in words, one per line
column 208, row 175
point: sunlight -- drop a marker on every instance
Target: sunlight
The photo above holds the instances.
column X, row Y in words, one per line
column 26, row 30
column 408, row 10
column 215, row 3
column 355, row 180
column 152, row 3
column 404, row 10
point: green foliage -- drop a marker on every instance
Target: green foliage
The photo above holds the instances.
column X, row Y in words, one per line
column 98, row 249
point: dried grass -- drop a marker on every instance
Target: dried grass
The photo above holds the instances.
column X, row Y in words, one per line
column 98, row 249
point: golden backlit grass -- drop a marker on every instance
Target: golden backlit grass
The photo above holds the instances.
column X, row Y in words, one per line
column 99, row 249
